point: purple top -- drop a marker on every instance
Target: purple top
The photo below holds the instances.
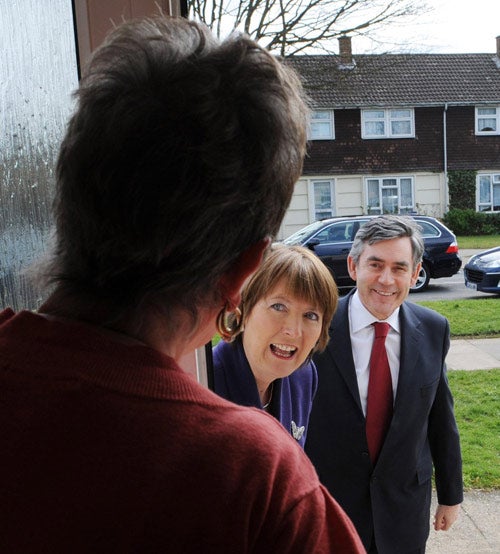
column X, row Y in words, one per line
column 292, row 396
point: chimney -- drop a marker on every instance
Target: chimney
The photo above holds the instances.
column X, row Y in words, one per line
column 498, row 46
column 345, row 51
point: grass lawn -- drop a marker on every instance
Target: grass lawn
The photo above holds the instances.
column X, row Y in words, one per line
column 482, row 242
column 477, row 410
column 476, row 393
column 471, row 317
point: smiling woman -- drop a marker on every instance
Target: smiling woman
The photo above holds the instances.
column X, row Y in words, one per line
column 266, row 361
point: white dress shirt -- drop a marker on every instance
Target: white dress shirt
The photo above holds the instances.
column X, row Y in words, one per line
column 362, row 334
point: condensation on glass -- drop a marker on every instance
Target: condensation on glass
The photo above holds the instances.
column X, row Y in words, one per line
column 38, row 73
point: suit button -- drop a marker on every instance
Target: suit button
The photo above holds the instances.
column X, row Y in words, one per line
column 365, row 454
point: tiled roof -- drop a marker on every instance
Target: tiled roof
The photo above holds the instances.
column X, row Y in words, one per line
column 400, row 80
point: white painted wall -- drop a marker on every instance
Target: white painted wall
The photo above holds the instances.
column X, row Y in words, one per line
column 429, row 189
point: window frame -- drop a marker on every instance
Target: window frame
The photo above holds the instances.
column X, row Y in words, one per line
column 387, row 119
column 316, row 120
column 494, row 179
column 478, row 116
column 313, row 209
column 383, row 183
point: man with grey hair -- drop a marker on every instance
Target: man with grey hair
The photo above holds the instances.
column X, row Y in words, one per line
column 383, row 414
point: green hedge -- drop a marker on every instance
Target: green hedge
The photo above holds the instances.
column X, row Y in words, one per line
column 470, row 223
column 462, row 189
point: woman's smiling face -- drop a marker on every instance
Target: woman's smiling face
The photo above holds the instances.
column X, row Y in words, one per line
column 279, row 334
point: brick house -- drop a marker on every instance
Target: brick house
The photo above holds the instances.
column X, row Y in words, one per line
column 387, row 129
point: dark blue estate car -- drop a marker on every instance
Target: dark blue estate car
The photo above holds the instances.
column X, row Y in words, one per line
column 331, row 240
column 482, row 271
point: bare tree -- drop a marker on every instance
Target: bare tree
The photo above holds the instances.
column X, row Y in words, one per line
column 298, row 26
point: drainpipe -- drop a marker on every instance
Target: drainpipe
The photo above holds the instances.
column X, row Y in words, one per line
column 445, row 160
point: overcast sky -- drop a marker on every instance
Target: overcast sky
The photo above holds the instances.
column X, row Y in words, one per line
column 454, row 26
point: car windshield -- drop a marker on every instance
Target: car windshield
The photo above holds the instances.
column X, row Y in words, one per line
column 299, row 236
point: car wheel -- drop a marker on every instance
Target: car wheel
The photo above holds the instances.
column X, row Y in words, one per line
column 422, row 279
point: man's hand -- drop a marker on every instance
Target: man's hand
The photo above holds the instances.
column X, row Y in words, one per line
column 445, row 517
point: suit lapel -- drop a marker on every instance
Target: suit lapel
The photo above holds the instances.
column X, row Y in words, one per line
column 339, row 351
column 339, row 348
column 411, row 336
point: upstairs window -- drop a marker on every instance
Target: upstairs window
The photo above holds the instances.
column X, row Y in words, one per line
column 488, row 193
column 322, row 125
column 397, row 123
column 488, row 121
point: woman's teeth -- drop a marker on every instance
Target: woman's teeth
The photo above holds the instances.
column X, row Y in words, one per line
column 283, row 350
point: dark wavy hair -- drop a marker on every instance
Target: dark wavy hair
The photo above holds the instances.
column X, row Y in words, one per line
column 182, row 152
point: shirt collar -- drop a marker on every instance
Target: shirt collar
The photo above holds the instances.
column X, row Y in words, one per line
column 360, row 317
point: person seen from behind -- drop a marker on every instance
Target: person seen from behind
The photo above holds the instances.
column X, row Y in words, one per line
column 173, row 176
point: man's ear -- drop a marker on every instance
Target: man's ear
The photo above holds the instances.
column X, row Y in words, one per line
column 351, row 268
column 415, row 274
column 242, row 269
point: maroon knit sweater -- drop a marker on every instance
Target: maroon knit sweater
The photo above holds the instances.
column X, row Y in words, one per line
column 108, row 447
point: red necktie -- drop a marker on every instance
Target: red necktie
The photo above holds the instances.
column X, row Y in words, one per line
column 379, row 404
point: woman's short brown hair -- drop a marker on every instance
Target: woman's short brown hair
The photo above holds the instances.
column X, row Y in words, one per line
column 306, row 277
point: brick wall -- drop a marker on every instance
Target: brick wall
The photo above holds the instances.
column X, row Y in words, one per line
column 465, row 149
column 349, row 154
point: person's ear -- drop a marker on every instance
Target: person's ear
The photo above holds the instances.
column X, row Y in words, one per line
column 242, row 269
column 415, row 274
column 351, row 268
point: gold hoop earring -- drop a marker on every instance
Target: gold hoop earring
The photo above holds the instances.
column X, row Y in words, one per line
column 229, row 323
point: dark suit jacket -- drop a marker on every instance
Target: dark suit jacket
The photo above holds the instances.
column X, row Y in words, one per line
column 292, row 396
column 393, row 498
